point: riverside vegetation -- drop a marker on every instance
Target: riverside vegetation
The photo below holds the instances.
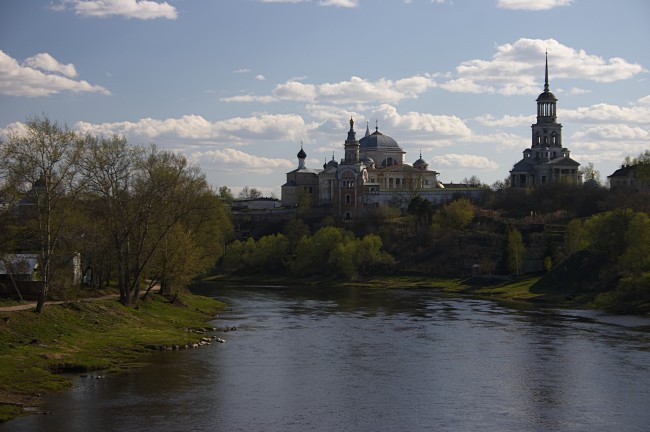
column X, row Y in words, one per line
column 136, row 212
column 88, row 337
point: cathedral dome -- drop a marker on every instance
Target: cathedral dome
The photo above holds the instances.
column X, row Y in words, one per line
column 420, row 164
column 301, row 154
column 378, row 141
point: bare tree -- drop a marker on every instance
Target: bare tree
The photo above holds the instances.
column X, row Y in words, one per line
column 40, row 165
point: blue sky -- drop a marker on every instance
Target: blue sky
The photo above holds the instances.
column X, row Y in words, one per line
column 237, row 85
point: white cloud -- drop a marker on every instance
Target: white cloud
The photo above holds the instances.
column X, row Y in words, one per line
column 506, row 121
column 607, row 113
column 47, row 63
column 612, row 132
column 532, row 5
column 339, row 3
column 429, row 124
column 238, row 161
column 517, row 68
column 356, row 90
column 287, row 127
column 296, row 91
column 26, row 80
column 464, row 161
column 644, row 100
column 243, row 70
column 260, row 77
column 359, row 90
column 138, row 9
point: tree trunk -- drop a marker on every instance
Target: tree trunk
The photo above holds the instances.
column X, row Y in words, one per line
column 42, row 296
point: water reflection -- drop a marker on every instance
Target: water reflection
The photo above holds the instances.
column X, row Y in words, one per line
column 378, row 360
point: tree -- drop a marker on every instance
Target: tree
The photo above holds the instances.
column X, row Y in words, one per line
column 226, row 194
column 515, row 251
column 249, row 193
column 41, row 165
column 458, row 214
column 574, row 238
column 474, row 182
column 589, row 172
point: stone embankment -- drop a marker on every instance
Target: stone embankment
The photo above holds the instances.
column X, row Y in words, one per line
column 204, row 341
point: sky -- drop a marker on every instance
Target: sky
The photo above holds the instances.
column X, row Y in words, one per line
column 237, row 86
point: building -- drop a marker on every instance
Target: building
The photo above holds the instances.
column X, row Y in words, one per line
column 372, row 173
column 547, row 160
column 635, row 177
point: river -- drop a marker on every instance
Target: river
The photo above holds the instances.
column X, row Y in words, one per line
column 308, row 359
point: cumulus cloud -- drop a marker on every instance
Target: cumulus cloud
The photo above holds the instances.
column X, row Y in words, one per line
column 296, row 91
column 138, row 9
column 239, row 161
column 612, row 132
column 535, row 5
column 607, row 113
column 464, row 161
column 356, row 90
column 508, row 121
column 288, row 127
column 47, row 63
column 41, row 75
column 434, row 125
column 517, row 67
column 339, row 3
column 644, row 100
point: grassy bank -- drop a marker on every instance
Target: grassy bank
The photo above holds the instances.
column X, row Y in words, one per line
column 88, row 336
column 523, row 289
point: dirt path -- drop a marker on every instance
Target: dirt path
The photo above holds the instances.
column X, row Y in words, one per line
column 32, row 305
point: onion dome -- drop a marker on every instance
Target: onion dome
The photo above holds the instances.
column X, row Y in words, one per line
column 301, row 153
column 420, row 164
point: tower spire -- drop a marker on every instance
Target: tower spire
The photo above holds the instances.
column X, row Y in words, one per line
column 546, row 74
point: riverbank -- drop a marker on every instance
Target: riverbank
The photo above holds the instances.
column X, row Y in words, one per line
column 101, row 335
column 520, row 289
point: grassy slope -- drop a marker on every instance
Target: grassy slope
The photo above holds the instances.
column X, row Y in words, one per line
column 87, row 336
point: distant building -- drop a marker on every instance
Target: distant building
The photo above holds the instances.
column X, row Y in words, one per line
column 372, row 173
column 547, row 160
column 631, row 177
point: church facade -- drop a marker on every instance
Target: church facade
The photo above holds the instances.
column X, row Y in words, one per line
column 547, row 160
column 372, row 173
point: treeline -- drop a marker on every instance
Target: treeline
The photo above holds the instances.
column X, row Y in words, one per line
column 330, row 251
column 131, row 213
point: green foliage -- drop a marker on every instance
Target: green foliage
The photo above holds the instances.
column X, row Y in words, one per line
column 458, row 214
column 515, row 251
column 88, row 336
column 574, row 237
column 330, row 251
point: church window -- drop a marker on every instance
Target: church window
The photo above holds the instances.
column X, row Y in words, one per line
column 348, row 199
column 348, row 216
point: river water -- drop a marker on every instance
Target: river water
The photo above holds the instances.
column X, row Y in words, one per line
column 305, row 359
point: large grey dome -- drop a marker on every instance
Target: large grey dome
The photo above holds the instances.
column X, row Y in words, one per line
column 378, row 140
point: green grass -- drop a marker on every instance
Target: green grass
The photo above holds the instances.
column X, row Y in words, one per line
column 87, row 336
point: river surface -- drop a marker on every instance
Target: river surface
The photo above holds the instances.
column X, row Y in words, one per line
column 305, row 359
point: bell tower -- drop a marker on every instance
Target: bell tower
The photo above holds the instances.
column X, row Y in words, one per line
column 547, row 132
column 351, row 145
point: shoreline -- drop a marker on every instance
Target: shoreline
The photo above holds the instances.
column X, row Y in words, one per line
column 82, row 337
